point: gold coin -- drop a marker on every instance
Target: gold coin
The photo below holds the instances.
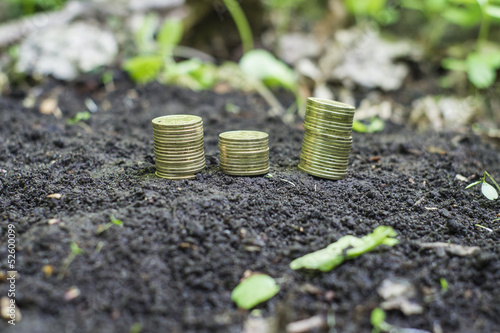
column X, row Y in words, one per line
column 322, row 166
column 331, row 176
column 253, row 165
column 239, row 136
column 190, row 159
column 170, row 134
column 318, row 136
column 343, row 147
column 324, row 156
column 329, row 115
column 324, row 151
column 329, row 164
column 175, row 177
column 177, row 121
column 326, row 131
column 334, row 125
column 329, row 104
column 179, row 145
column 333, row 147
column 246, row 173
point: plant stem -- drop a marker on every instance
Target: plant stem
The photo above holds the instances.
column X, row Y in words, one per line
column 494, row 182
column 241, row 23
column 484, row 30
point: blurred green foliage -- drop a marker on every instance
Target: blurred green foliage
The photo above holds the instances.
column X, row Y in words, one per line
column 18, row 8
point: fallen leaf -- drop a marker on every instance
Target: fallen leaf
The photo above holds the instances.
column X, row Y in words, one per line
column 436, row 150
column 53, row 221
column 254, row 290
column 48, row 270
column 50, row 106
column 455, row 249
column 398, row 294
column 9, row 309
column 72, row 293
column 307, row 325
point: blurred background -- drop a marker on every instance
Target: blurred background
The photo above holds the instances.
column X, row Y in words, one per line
column 429, row 64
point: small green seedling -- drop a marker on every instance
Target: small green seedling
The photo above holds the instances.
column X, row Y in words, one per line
column 488, row 191
column 254, row 290
column 378, row 322
column 376, row 125
column 242, row 24
column 347, row 247
column 113, row 221
column 136, row 328
column 80, row 116
column 444, row 285
column 75, row 251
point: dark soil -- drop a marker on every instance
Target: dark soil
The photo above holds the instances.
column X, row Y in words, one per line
column 186, row 244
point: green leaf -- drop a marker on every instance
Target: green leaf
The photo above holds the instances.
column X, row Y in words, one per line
column 80, row 116
column 359, row 127
column 115, row 221
column 454, row 64
column 75, row 249
column 376, row 125
column 444, row 285
column 493, row 11
column 256, row 289
column 480, row 73
column 347, row 247
column 170, row 34
column 413, row 4
column 491, row 178
column 474, row 184
column 465, row 17
column 145, row 36
column 144, row 69
column 377, row 317
column 489, row 191
column 264, row 66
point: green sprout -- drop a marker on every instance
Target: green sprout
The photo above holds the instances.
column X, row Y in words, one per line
column 377, row 319
column 482, row 64
column 241, row 23
column 347, row 247
column 376, row 125
column 75, row 251
column 488, row 191
column 444, row 285
column 80, row 116
column 136, row 328
column 113, row 221
column 254, row 290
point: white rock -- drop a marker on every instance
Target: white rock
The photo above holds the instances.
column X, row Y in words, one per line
column 362, row 57
column 65, row 52
column 296, row 46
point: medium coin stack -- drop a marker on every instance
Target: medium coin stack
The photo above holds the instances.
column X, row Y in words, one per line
column 178, row 146
column 327, row 139
column 244, row 153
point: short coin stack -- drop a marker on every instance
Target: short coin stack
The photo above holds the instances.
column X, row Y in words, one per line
column 327, row 140
column 178, row 146
column 244, row 153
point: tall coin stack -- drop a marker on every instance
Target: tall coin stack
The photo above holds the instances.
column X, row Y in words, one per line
column 327, row 139
column 244, row 153
column 178, row 146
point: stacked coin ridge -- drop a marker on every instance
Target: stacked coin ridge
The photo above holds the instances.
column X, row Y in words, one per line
column 244, row 153
column 178, row 146
column 327, row 138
